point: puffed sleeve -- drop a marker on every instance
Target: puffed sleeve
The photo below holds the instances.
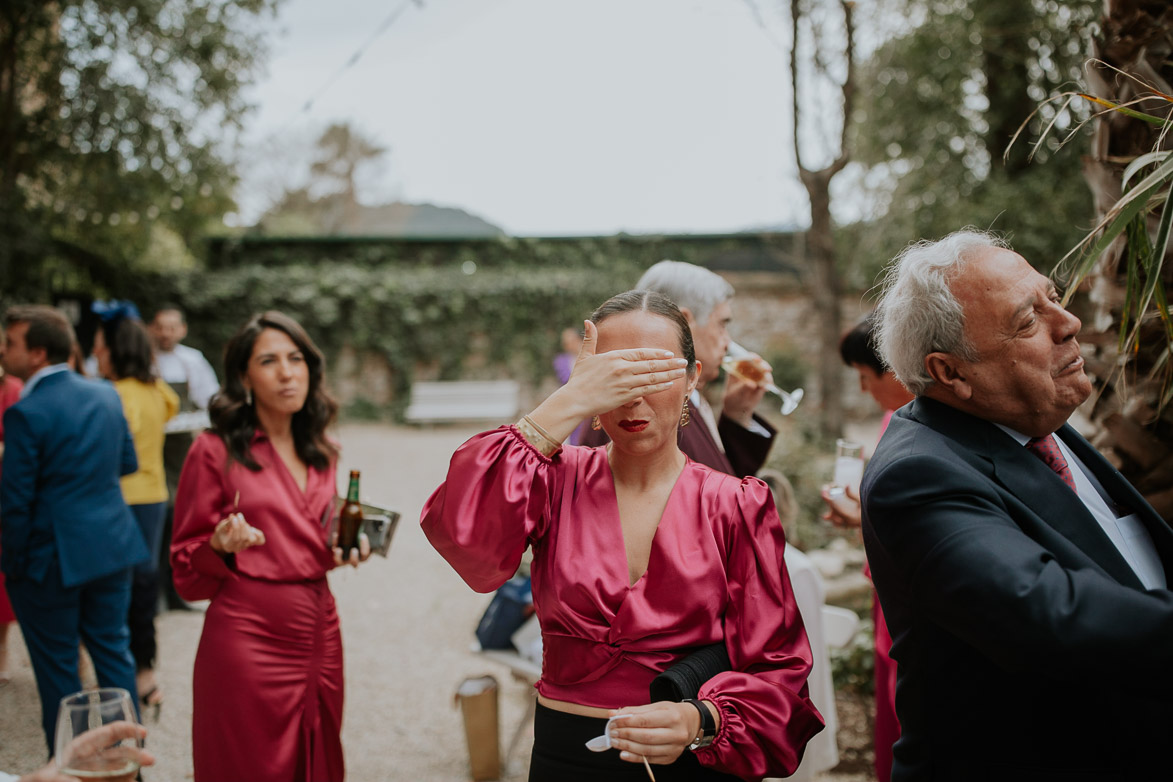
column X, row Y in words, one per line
column 200, row 500
column 495, row 499
column 766, row 714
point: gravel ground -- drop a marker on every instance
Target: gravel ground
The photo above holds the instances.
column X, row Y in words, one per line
column 407, row 625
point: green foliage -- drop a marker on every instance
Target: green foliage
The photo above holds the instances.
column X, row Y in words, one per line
column 941, row 106
column 113, row 120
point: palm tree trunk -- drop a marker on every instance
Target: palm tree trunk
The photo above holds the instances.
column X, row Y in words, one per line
column 1129, row 424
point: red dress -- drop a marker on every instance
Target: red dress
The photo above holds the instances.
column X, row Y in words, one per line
column 9, row 395
column 715, row 573
column 268, row 673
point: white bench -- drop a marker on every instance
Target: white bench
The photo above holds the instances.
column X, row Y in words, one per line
column 464, row 400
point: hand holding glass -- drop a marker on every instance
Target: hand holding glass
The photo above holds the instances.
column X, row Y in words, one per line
column 741, row 362
column 107, row 757
column 848, row 468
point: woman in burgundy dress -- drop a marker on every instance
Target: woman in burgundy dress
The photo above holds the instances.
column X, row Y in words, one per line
column 248, row 535
column 640, row 556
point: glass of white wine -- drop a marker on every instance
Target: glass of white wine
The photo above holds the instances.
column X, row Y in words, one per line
column 848, row 468
column 741, row 362
column 89, row 710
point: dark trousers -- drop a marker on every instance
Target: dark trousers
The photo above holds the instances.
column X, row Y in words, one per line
column 560, row 755
column 55, row 618
column 144, row 590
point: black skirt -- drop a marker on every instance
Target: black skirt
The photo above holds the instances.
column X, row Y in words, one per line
column 560, row 755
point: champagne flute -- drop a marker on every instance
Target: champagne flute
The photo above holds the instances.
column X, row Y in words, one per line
column 87, row 711
column 741, row 362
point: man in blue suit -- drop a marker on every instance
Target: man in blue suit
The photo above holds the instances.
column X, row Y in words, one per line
column 1024, row 580
column 67, row 538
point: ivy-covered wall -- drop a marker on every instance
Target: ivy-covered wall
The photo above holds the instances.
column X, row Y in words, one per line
column 431, row 309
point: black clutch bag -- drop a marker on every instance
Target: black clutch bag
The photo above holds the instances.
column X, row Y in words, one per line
column 684, row 679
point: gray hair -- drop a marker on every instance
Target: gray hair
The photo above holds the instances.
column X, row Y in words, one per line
column 918, row 313
column 694, row 288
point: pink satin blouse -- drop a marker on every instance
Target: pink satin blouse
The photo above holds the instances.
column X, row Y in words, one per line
column 716, row 572
column 295, row 546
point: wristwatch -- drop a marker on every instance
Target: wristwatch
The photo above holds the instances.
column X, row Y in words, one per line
column 708, row 730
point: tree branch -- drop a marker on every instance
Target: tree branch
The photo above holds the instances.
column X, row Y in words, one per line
column 795, row 13
column 848, row 86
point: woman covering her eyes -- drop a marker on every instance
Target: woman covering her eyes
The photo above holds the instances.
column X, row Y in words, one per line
column 248, row 536
column 640, row 556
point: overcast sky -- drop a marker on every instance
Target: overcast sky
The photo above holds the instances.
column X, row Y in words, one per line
column 544, row 118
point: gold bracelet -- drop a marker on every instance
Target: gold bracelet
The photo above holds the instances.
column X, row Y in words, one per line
column 537, row 437
column 541, row 431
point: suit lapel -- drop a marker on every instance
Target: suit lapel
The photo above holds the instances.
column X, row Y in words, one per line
column 1124, row 494
column 697, row 442
column 1034, row 485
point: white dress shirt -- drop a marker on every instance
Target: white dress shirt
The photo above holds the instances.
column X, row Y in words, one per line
column 188, row 365
column 1127, row 533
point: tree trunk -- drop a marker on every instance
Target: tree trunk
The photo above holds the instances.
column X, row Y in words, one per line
column 826, row 290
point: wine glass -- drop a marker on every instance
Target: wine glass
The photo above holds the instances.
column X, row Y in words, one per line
column 848, row 467
column 741, row 362
column 100, row 758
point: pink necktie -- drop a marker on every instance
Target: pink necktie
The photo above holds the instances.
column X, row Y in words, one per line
column 1048, row 450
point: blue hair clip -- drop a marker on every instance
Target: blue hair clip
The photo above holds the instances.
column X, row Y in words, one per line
column 114, row 309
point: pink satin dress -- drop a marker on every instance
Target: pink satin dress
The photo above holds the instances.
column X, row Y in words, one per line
column 716, row 573
column 268, row 679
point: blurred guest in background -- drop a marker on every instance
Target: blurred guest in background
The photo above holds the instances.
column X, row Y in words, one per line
column 858, row 351
column 123, row 350
column 182, row 367
column 249, row 536
column 563, row 364
column 69, row 539
column 738, row 442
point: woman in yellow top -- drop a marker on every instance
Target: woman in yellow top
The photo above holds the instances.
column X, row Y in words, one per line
column 123, row 350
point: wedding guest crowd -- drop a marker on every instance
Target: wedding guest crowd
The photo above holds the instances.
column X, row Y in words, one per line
column 1023, row 609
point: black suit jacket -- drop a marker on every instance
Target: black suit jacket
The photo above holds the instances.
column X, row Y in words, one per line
column 1027, row 648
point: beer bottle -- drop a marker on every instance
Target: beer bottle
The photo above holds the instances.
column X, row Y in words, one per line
column 350, row 523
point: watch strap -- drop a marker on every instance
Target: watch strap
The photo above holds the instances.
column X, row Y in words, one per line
column 708, row 730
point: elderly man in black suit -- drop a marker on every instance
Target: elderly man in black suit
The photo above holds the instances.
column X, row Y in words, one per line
column 1024, row 580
